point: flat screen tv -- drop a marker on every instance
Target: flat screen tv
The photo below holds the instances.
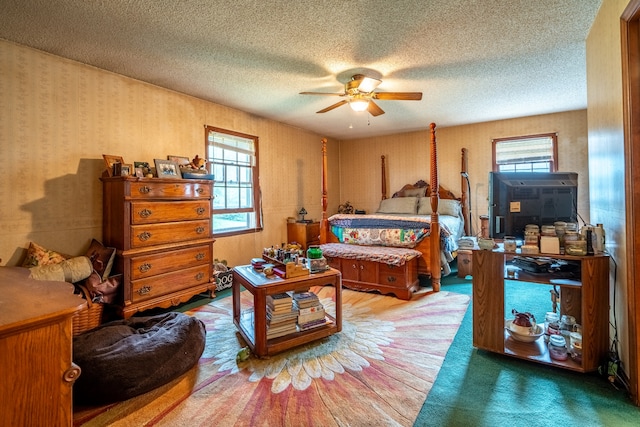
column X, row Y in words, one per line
column 520, row 198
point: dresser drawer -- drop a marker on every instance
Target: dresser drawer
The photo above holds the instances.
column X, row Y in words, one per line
column 154, row 212
column 151, row 265
column 151, row 287
column 169, row 232
column 167, row 190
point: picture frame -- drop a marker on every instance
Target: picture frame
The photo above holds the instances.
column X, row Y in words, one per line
column 139, row 172
column 167, row 169
column 109, row 160
column 127, row 169
column 180, row 160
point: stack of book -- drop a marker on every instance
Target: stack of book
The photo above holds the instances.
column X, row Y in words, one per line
column 281, row 316
column 310, row 310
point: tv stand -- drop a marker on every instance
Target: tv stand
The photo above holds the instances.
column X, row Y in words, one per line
column 587, row 299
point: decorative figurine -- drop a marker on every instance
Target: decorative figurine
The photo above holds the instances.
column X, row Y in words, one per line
column 243, row 355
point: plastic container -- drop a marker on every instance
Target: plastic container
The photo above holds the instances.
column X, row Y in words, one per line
column 551, row 318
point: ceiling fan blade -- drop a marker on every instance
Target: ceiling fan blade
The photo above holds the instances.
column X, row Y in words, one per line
column 374, row 109
column 331, row 107
column 322, row 93
column 399, row 96
column 368, row 84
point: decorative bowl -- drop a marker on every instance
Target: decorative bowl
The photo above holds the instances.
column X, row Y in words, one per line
column 486, row 244
column 530, row 337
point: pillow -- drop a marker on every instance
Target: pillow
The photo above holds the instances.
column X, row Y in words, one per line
column 399, row 205
column 424, row 206
column 101, row 257
column 70, row 270
column 39, row 256
column 415, row 192
column 449, row 207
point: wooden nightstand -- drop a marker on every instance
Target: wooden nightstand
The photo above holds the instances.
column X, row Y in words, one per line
column 465, row 263
column 304, row 233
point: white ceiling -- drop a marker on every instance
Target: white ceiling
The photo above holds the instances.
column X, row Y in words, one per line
column 474, row 60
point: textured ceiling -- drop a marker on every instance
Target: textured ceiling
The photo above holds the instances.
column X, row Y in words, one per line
column 474, row 60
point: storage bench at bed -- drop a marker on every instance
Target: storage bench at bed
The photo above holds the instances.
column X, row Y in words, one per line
column 375, row 268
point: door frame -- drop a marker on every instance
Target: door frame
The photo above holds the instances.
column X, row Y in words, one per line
column 630, row 41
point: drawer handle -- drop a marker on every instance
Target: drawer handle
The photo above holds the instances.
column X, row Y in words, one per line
column 200, row 230
column 144, row 236
column 199, row 190
column 144, row 267
column 200, row 210
column 145, row 213
column 361, row 267
column 144, row 189
column 144, row 290
column 200, row 256
column 354, row 266
column 391, row 279
column 199, row 276
column 71, row 374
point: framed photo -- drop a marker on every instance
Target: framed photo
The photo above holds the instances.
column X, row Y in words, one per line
column 167, row 169
column 109, row 160
column 180, row 160
column 139, row 172
column 127, row 169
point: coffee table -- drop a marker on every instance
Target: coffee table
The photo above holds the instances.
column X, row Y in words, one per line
column 250, row 308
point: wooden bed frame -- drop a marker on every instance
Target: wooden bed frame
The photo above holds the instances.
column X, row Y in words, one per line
column 429, row 263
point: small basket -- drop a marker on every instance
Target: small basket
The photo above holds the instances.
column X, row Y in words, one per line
column 224, row 280
column 89, row 317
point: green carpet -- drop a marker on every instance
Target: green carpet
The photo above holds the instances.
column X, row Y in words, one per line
column 479, row 388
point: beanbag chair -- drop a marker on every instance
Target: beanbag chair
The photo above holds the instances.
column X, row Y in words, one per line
column 125, row 358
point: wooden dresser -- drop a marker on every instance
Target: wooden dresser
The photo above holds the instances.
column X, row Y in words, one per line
column 304, row 233
column 161, row 229
column 36, row 350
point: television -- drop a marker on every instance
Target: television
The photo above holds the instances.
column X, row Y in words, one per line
column 520, row 198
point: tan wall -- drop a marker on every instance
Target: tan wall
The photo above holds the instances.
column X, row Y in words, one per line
column 57, row 119
column 606, row 151
column 408, row 159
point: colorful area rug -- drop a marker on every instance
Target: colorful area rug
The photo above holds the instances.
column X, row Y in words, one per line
column 376, row 372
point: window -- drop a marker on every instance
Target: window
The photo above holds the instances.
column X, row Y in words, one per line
column 532, row 153
column 233, row 158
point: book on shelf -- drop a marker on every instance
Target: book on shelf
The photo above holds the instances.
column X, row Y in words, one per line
column 314, row 324
column 274, row 332
column 310, row 317
column 312, row 309
column 283, row 298
column 305, row 299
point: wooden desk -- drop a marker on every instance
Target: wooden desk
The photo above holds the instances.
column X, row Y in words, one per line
column 36, row 350
column 250, row 311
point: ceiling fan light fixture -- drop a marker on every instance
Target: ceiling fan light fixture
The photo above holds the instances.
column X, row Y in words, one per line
column 359, row 105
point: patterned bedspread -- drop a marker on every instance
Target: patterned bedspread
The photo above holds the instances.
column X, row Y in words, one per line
column 383, row 230
column 392, row 256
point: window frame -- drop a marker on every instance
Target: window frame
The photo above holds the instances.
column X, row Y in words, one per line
column 255, row 184
column 553, row 163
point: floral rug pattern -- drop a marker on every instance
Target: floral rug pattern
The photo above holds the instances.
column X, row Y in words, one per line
column 377, row 371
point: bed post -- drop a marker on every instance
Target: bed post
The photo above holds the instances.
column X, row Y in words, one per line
column 434, row 236
column 324, row 224
column 464, row 189
column 384, row 178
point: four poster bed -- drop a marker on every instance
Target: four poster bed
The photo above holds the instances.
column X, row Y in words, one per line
column 415, row 232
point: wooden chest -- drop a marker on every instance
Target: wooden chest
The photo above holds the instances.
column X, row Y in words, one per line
column 161, row 229
column 399, row 280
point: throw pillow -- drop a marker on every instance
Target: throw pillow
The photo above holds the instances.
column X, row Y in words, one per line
column 399, row 205
column 449, row 207
column 101, row 257
column 70, row 270
column 424, row 206
column 39, row 256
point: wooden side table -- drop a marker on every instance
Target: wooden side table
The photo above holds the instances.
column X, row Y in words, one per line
column 465, row 263
column 304, row 233
column 250, row 308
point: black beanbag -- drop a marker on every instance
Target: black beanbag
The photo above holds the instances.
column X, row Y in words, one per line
column 126, row 358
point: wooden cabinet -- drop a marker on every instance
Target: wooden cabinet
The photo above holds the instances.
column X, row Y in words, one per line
column 399, row 280
column 465, row 263
column 587, row 300
column 36, row 350
column 304, row 233
column 162, row 231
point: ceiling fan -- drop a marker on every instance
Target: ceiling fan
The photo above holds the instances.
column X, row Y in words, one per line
column 360, row 94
